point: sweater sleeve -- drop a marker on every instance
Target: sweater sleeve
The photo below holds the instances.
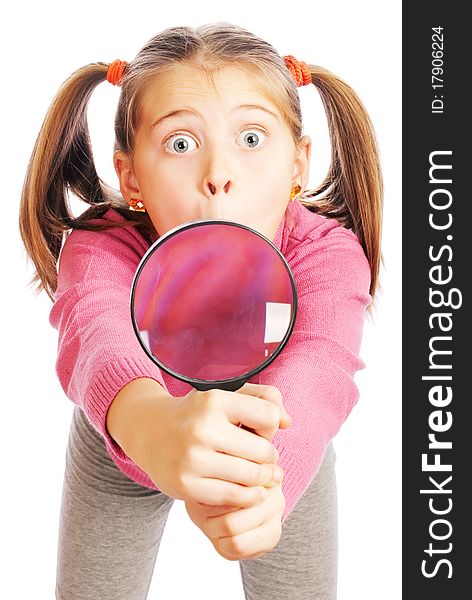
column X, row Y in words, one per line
column 315, row 371
column 98, row 352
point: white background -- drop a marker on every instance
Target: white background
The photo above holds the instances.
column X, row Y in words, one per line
column 42, row 44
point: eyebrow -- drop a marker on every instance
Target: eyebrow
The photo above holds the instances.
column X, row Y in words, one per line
column 183, row 111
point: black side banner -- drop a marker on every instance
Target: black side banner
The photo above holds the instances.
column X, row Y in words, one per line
column 437, row 231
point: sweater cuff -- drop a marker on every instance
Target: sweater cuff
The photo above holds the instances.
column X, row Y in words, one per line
column 103, row 389
column 298, row 474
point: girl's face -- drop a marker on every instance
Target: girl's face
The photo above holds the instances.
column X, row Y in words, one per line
column 204, row 152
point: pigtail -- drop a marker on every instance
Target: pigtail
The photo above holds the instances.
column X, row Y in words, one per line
column 62, row 161
column 352, row 191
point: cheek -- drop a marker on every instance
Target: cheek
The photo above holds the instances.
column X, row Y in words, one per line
column 273, row 168
column 161, row 187
column 170, row 208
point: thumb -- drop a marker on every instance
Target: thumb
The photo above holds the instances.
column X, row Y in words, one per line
column 270, row 393
column 285, row 420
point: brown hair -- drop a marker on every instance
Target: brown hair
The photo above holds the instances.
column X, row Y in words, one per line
column 62, row 162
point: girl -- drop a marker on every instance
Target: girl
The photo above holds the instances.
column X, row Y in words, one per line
column 208, row 126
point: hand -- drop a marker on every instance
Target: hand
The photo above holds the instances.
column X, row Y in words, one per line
column 193, row 449
column 199, row 511
column 271, row 394
column 241, row 533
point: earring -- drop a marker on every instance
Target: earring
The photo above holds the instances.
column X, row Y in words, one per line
column 136, row 205
column 295, row 192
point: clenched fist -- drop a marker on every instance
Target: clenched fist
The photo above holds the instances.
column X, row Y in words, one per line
column 241, row 533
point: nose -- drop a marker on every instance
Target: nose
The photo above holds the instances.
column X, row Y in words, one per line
column 218, row 178
column 215, row 188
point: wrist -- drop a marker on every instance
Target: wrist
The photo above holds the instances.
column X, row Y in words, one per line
column 138, row 405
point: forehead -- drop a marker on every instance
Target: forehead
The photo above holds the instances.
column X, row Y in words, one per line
column 184, row 83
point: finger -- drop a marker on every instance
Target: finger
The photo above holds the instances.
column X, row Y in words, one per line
column 260, row 539
column 268, row 433
column 241, row 443
column 251, row 411
column 285, row 420
column 219, row 465
column 219, row 492
column 236, row 522
column 270, row 393
column 215, row 511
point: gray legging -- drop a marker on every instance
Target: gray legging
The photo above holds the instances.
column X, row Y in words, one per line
column 101, row 555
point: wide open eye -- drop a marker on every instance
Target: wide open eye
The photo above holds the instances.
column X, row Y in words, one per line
column 252, row 138
column 180, row 143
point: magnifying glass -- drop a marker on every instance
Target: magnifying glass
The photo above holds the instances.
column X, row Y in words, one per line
column 213, row 303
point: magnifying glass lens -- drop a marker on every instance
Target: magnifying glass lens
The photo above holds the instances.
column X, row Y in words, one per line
column 213, row 301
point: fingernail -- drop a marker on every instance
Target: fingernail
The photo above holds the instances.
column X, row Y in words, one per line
column 277, row 475
column 276, row 455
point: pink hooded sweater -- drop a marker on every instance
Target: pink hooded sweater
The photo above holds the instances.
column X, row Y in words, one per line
column 98, row 352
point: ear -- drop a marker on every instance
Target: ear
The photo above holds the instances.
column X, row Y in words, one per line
column 301, row 165
column 129, row 186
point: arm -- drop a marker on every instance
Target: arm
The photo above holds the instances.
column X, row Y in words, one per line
column 315, row 371
column 129, row 412
column 98, row 353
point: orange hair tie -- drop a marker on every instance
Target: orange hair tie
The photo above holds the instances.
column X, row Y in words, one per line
column 300, row 71
column 115, row 71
